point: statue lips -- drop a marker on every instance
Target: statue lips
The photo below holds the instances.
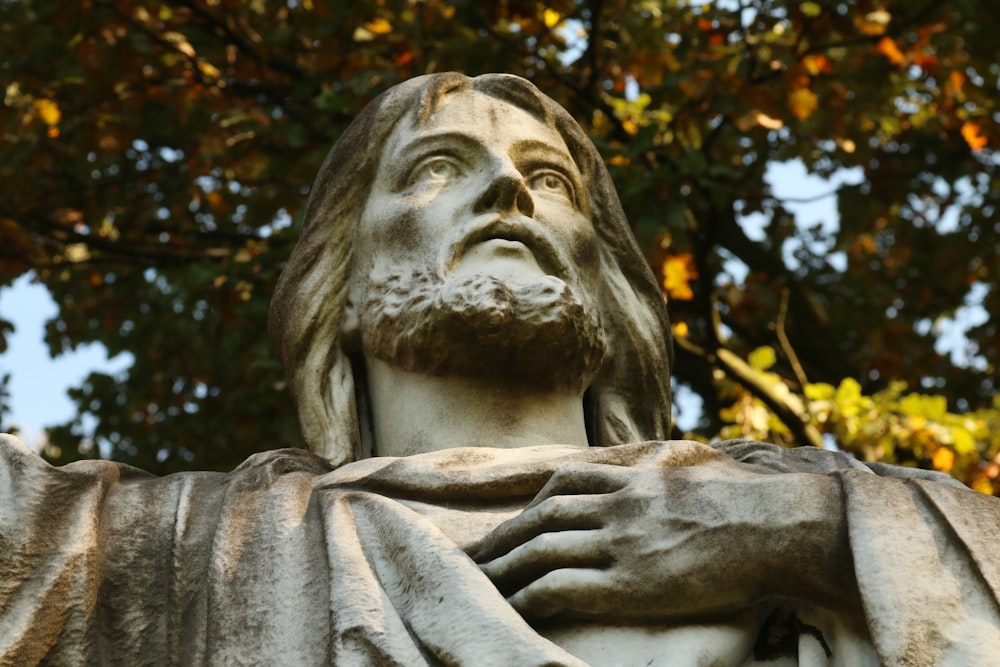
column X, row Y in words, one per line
column 518, row 232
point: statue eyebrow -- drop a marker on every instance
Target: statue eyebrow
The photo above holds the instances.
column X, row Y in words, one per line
column 421, row 142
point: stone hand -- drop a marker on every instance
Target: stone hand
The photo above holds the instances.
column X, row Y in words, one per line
column 605, row 541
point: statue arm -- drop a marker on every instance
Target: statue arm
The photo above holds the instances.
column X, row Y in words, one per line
column 927, row 568
column 924, row 549
column 915, row 557
column 48, row 555
column 656, row 543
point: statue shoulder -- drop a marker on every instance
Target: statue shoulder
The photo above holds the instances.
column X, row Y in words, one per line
column 766, row 457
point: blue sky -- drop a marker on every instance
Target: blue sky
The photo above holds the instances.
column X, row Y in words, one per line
column 38, row 382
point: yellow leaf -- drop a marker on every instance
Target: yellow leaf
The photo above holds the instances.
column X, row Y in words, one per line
column 551, row 17
column 811, row 9
column 770, row 123
column 983, row 485
column 307, row 5
column 847, row 145
column 77, row 252
column 816, row 64
column 618, row 160
column 943, row 459
column 681, row 329
column 762, row 358
column 362, row 34
column 973, row 135
column 670, row 60
column 962, row 440
column 887, row 47
column 819, row 391
column 48, row 111
column 630, row 126
column 874, row 23
column 379, row 26
column 180, row 43
column 802, row 102
column 678, row 272
column 209, row 70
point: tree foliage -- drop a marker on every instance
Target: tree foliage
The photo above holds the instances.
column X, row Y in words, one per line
column 157, row 155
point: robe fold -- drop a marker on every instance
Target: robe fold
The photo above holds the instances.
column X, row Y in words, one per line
column 286, row 561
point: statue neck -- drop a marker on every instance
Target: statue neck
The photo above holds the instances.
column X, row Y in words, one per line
column 414, row 413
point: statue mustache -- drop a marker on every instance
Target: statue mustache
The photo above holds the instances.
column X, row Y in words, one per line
column 516, row 228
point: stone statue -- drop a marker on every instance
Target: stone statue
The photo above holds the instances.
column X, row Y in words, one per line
column 472, row 340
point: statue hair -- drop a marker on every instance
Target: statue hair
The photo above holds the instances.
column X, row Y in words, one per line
column 629, row 399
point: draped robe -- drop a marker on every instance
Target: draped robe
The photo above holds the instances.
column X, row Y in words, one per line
column 286, row 561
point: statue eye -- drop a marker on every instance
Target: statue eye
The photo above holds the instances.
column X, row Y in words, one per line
column 551, row 182
column 437, row 169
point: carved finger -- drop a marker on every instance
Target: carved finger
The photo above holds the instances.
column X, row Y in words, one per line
column 545, row 553
column 571, row 592
column 559, row 513
column 583, row 479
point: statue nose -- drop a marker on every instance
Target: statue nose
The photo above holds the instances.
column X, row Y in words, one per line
column 506, row 193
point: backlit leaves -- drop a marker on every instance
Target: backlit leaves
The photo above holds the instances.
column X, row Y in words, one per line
column 891, row 425
column 678, row 274
column 973, row 135
column 887, row 47
column 803, row 103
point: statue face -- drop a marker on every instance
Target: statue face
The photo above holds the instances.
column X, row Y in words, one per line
column 475, row 254
column 481, row 188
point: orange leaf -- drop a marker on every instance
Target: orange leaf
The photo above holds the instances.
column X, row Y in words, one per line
column 379, row 26
column 802, row 102
column 678, row 272
column 956, row 79
column 973, row 135
column 48, row 111
column 887, row 47
column 925, row 61
column 403, row 59
column 816, row 64
column 943, row 459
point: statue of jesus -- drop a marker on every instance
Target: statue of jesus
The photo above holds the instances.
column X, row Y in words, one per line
column 480, row 360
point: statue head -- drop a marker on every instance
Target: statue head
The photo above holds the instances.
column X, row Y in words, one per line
column 567, row 300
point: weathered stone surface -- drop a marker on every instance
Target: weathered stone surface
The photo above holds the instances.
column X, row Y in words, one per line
column 471, row 337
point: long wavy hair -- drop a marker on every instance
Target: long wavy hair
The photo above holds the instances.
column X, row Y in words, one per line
column 628, row 401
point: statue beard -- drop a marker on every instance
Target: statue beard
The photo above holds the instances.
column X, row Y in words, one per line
column 539, row 333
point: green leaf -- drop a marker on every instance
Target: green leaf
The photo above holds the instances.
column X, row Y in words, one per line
column 762, row 358
column 819, row 391
column 811, row 9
